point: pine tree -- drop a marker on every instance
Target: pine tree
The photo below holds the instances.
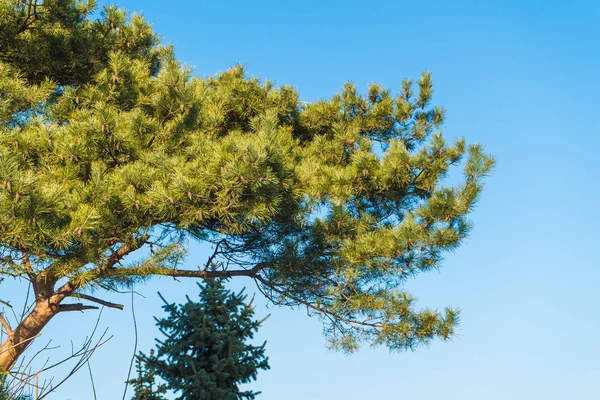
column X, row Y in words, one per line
column 109, row 146
column 145, row 386
column 204, row 355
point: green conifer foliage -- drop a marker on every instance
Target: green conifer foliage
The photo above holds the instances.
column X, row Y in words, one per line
column 329, row 206
column 145, row 386
column 57, row 40
column 204, row 355
column 8, row 394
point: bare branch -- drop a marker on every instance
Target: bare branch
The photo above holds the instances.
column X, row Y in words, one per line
column 213, row 255
column 25, row 303
column 97, row 300
column 92, row 379
column 5, row 324
column 84, row 354
column 75, row 307
column 135, row 345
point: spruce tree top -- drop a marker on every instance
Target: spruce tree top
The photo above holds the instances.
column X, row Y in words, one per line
column 108, row 145
column 205, row 354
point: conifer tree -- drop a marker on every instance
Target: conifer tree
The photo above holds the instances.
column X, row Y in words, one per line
column 145, row 386
column 205, row 354
column 109, row 147
column 7, row 394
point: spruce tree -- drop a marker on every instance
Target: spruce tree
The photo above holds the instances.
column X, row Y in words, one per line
column 8, row 394
column 109, row 147
column 145, row 386
column 205, row 354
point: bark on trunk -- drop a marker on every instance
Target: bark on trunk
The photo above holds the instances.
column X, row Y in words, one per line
column 23, row 335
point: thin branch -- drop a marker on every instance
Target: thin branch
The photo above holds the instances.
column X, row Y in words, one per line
column 113, row 289
column 97, row 300
column 135, row 345
column 84, row 347
column 84, row 358
column 5, row 324
column 185, row 273
column 9, row 261
column 214, row 254
column 68, row 288
column 92, row 379
column 24, row 312
column 322, row 310
column 84, row 354
column 75, row 307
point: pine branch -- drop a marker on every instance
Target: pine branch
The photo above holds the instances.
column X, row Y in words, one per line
column 214, row 254
column 75, row 307
column 321, row 310
column 97, row 300
column 183, row 273
column 68, row 288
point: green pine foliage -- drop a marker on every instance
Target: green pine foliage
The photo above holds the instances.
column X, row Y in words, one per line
column 108, row 145
column 205, row 354
column 57, row 40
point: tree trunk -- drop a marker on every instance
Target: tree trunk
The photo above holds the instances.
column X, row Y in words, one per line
column 23, row 335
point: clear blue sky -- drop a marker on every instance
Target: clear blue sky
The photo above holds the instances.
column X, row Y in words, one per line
column 521, row 77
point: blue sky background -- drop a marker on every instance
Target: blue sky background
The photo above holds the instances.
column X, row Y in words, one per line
column 519, row 76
